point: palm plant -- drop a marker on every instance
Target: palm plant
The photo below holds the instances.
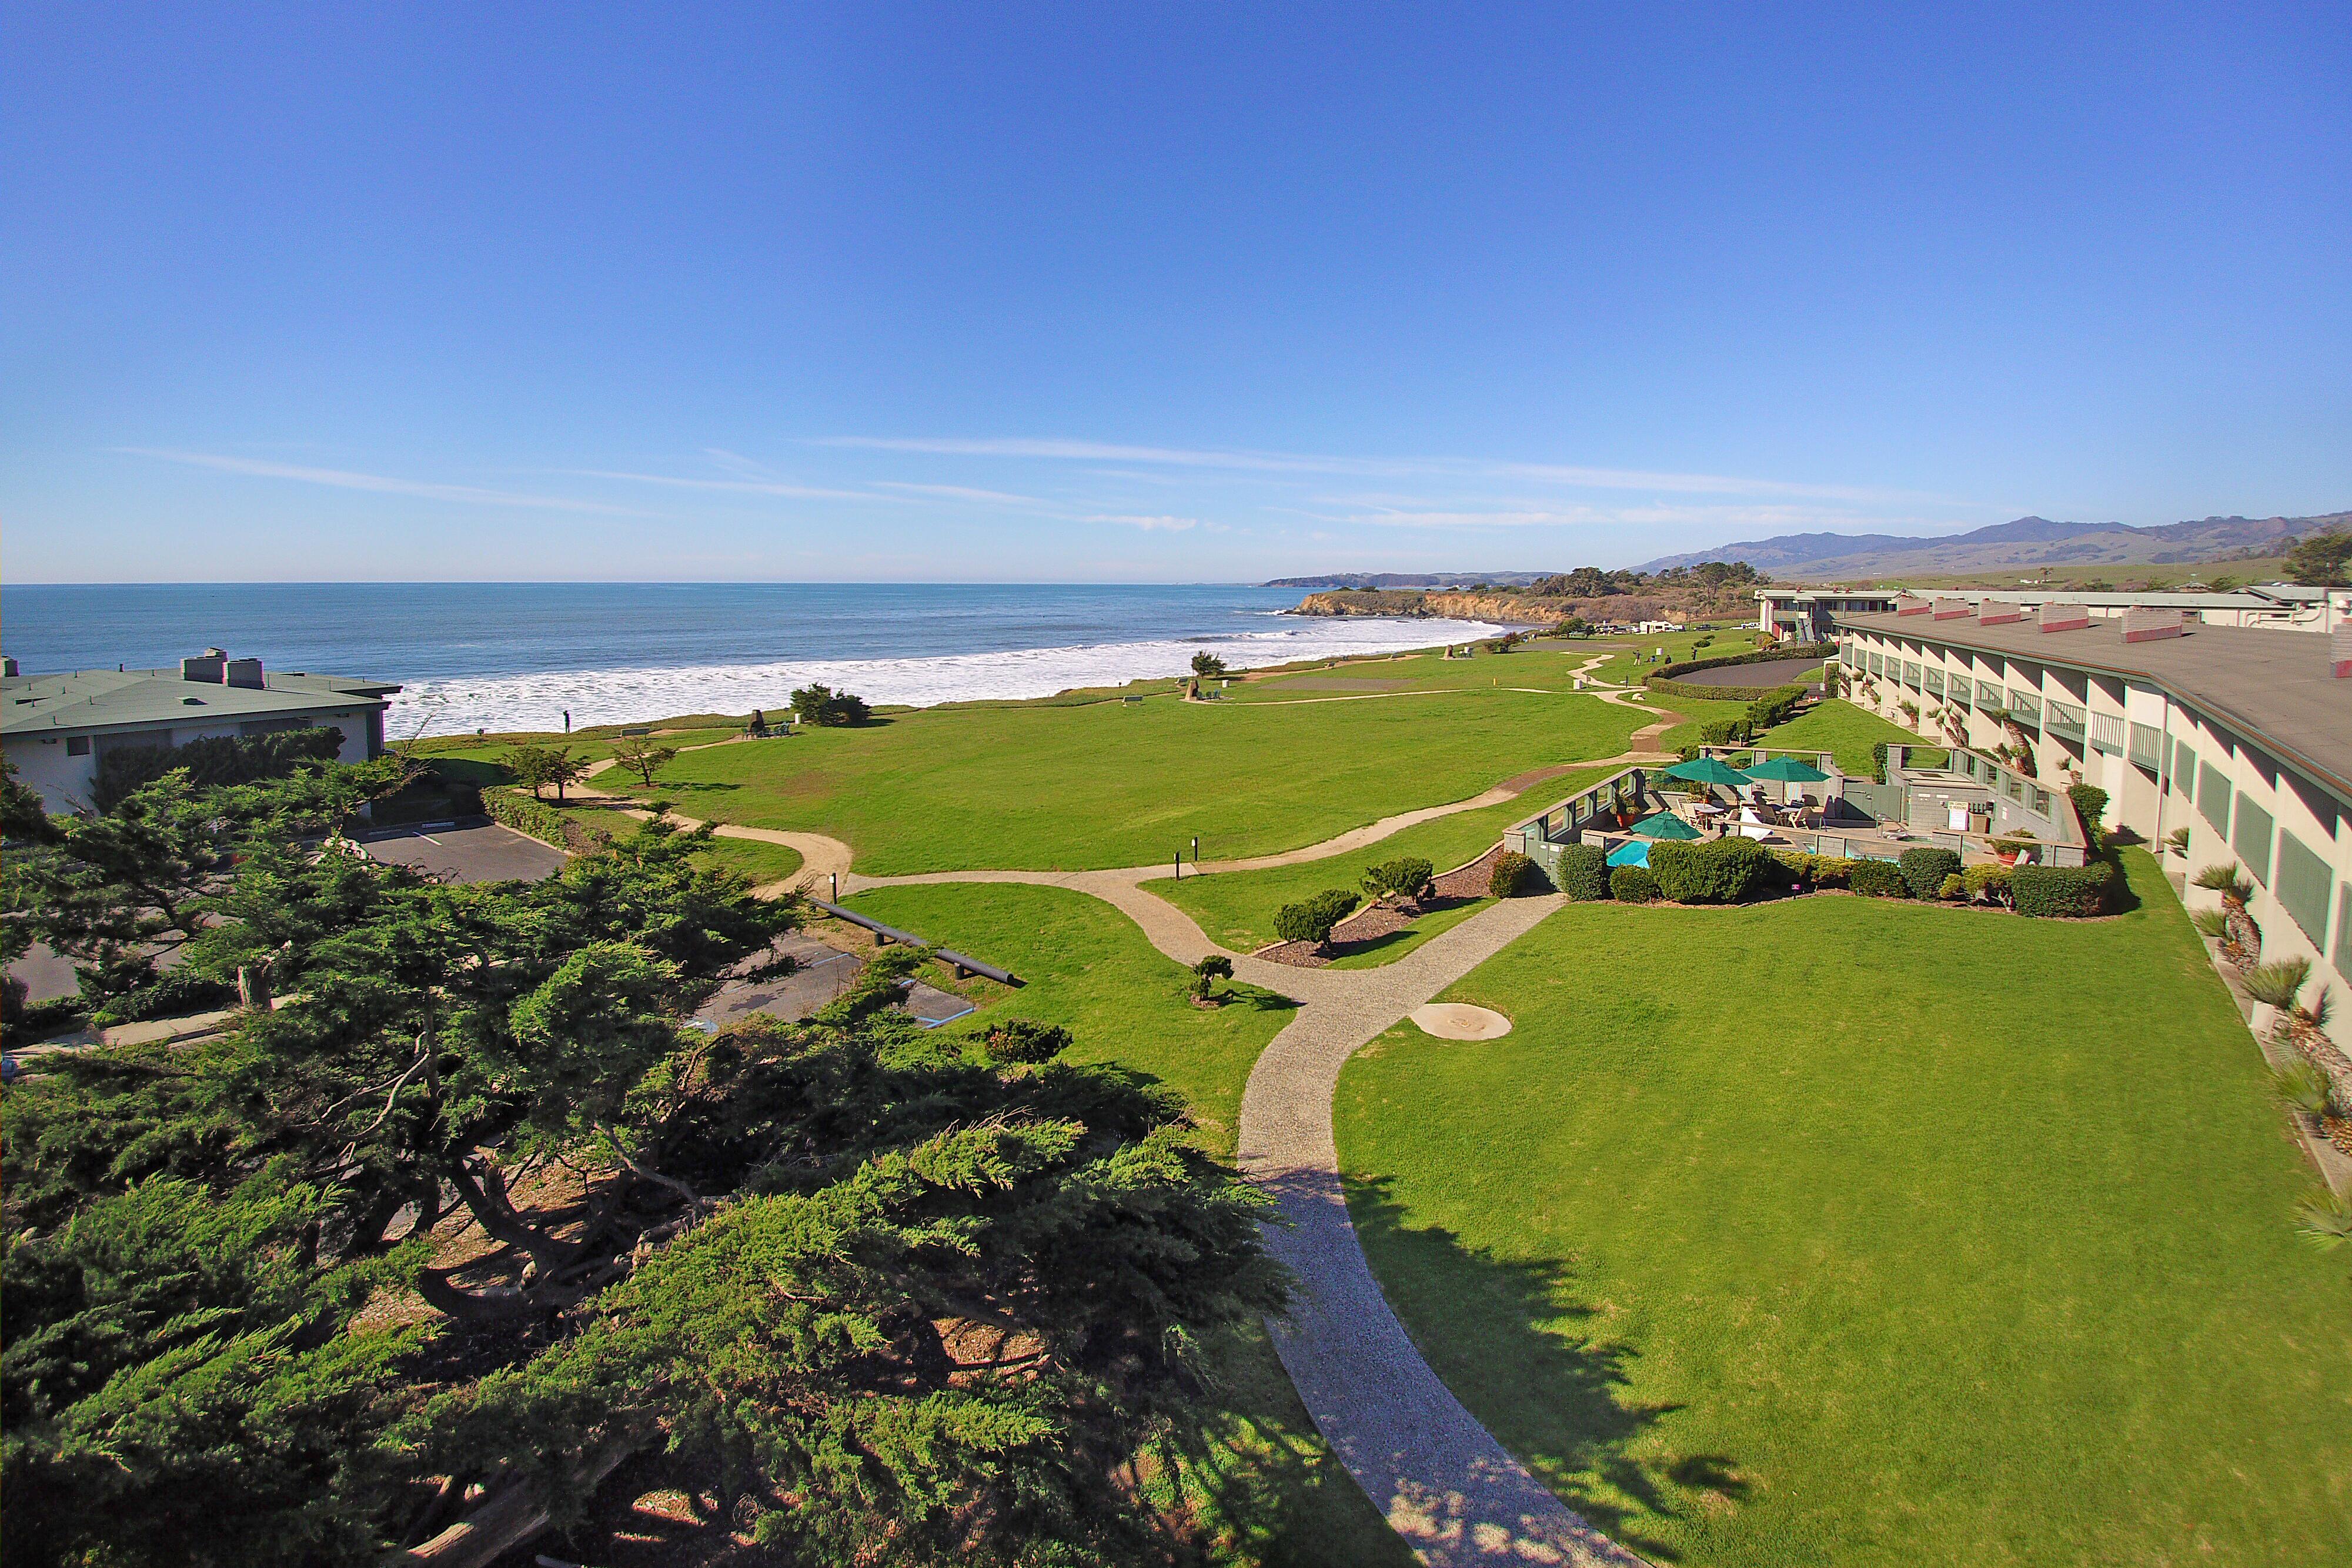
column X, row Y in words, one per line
column 2325, row 1219
column 2226, row 879
column 2212, row 923
column 2276, row 985
column 2177, row 840
column 2304, row 1086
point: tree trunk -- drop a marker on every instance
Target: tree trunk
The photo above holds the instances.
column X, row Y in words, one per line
column 507, row 1518
column 485, row 1199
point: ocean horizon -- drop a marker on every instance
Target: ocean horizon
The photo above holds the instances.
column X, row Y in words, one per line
column 518, row 656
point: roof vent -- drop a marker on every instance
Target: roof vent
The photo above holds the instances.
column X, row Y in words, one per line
column 1907, row 605
column 1950, row 609
column 244, row 673
column 8, row 667
column 1996, row 613
column 2145, row 625
column 2066, row 617
column 2339, row 651
column 208, row 667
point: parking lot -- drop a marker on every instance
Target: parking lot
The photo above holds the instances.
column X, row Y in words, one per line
column 482, row 852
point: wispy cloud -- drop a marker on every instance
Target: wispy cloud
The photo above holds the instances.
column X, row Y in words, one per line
column 1127, row 520
column 963, row 493
column 1572, row 476
column 381, row 484
column 737, row 486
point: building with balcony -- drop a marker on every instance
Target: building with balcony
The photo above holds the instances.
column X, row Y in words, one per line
column 1809, row 614
column 54, row 729
column 2241, row 736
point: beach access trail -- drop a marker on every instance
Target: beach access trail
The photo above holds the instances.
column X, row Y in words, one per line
column 1444, row 1483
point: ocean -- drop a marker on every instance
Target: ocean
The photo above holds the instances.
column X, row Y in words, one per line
column 509, row 656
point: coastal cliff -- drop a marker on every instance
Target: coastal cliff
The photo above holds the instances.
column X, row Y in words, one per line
column 1408, row 604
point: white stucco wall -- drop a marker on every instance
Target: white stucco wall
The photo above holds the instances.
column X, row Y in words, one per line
column 63, row 781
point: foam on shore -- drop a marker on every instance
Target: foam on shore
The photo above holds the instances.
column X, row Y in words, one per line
column 538, row 702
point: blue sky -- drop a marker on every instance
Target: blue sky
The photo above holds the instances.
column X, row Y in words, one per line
column 1128, row 293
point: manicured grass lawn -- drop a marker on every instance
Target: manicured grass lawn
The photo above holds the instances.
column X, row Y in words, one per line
column 1836, row 724
column 1848, row 1231
column 1264, row 1483
column 1546, row 668
column 1236, row 908
column 1121, row 784
column 762, row 863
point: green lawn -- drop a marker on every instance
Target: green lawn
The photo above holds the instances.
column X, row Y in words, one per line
column 762, row 863
column 1235, row 908
column 1836, row 724
column 1122, row 784
column 1259, row 1476
column 1849, row 1232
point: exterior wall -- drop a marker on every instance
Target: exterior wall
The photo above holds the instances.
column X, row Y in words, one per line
column 2176, row 781
column 63, row 781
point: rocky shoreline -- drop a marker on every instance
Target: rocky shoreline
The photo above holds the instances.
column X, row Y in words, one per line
column 1414, row 604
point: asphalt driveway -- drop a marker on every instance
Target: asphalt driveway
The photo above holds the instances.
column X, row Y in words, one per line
column 487, row 852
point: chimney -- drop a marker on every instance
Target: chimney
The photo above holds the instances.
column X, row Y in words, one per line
column 207, row 667
column 1995, row 613
column 7, row 667
column 1950, row 609
column 2145, row 625
column 2066, row 617
column 244, row 673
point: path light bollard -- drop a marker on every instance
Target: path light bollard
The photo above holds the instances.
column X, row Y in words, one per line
column 836, row 887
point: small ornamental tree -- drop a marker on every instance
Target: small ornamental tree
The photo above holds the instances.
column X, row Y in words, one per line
column 642, row 756
column 1208, row 667
column 1511, row 874
column 2090, row 802
column 1207, row 973
column 540, row 765
column 821, row 706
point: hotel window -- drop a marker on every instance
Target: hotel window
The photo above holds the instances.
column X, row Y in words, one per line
column 2042, row 801
column 2147, row 748
column 2344, row 930
column 2024, row 707
column 1988, row 694
column 2184, row 767
column 2213, row 796
column 1931, row 679
column 2016, row 788
column 1911, row 673
column 76, row 745
column 2250, row 837
column 2107, row 731
column 2300, row 884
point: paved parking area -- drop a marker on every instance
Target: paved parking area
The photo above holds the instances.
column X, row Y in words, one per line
column 823, row 973
column 481, row 853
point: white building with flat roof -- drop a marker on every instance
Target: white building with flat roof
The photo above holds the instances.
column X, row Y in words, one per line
column 1809, row 614
column 54, row 728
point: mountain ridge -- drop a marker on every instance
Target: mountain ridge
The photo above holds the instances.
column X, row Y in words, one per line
column 2022, row 541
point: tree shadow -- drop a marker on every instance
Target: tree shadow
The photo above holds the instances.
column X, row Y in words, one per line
column 1522, row 1345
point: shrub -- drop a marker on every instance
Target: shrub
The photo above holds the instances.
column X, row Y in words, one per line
column 224, row 760
column 1726, row 732
column 1878, row 879
column 1724, row 871
column 1024, row 1040
column 2277, row 985
column 2063, row 892
column 527, row 814
column 2090, row 801
column 2214, row 922
column 1312, row 919
column 2304, row 1086
column 1954, row 886
column 1989, row 881
column 2324, row 1218
column 821, row 704
column 2226, row 880
column 1407, row 878
column 1775, row 707
column 1510, row 874
column 1633, row 884
column 1832, row 871
column 1924, row 869
column 1584, row 871
column 1878, row 760
column 1207, row 973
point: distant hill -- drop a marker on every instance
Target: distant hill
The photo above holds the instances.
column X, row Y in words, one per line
column 1339, row 580
column 2028, row 541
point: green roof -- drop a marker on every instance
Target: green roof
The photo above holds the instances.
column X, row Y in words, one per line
column 118, row 699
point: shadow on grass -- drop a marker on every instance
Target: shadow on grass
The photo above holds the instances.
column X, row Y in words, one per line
column 1521, row 1345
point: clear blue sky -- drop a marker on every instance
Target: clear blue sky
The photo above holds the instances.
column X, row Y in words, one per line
column 1180, row 293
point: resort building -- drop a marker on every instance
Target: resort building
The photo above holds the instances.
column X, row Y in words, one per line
column 2243, row 736
column 1809, row 614
column 54, row 728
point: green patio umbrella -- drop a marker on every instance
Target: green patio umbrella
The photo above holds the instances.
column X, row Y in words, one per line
column 1664, row 825
column 1787, row 770
column 1706, row 770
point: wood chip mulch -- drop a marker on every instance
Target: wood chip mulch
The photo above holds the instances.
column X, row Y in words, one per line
column 1369, row 925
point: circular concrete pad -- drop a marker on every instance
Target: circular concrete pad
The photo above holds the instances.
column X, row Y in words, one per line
column 1460, row 1020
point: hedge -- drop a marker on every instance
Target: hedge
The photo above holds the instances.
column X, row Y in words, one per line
column 1724, row 871
column 1405, row 878
column 1666, row 684
column 1775, row 707
column 1924, row 869
column 214, row 760
column 1510, row 874
column 1584, row 871
column 526, row 815
column 2063, row 892
column 1878, row 879
column 1633, row 884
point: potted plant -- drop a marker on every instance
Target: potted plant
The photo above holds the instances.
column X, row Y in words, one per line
column 2009, row 847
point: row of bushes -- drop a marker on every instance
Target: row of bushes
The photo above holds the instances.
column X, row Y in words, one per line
column 1762, row 656
column 526, row 814
column 1665, row 682
column 1730, row 870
